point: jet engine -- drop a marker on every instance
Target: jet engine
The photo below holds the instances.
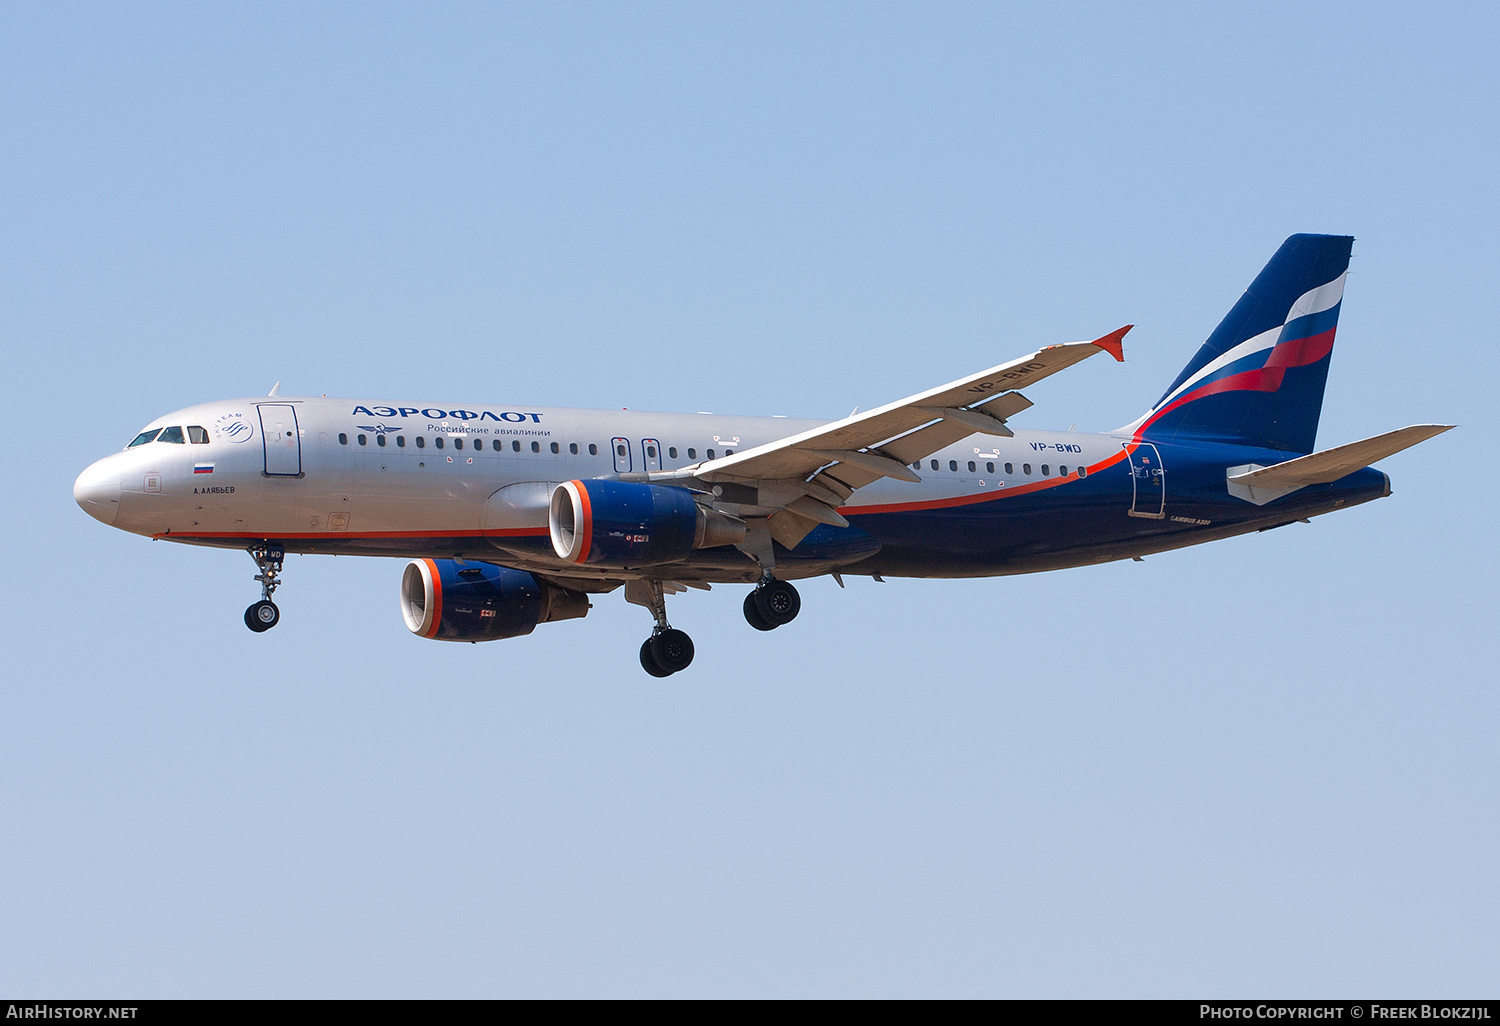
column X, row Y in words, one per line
column 620, row 523
column 452, row 601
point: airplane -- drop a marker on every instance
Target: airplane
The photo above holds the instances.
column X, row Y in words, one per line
column 513, row 516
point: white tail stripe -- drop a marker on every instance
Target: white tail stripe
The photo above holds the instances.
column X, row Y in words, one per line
column 1324, row 297
column 1265, row 340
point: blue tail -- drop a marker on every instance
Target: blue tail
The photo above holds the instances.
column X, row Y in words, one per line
column 1259, row 378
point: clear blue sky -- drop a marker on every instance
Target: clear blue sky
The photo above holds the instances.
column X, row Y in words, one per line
column 1265, row 766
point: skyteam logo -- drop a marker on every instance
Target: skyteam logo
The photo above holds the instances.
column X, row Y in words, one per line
column 233, row 427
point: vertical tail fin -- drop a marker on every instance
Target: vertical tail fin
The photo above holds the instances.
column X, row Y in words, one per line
column 1259, row 378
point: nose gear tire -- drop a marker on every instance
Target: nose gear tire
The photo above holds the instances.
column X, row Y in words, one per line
column 262, row 616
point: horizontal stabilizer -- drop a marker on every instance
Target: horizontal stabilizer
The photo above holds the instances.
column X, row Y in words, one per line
column 1261, row 485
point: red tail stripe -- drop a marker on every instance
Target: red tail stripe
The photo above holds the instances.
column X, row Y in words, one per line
column 1298, row 352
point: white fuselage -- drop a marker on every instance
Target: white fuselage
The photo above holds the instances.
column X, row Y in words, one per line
column 323, row 473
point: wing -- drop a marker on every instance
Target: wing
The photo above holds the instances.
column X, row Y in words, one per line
column 812, row 473
column 880, row 443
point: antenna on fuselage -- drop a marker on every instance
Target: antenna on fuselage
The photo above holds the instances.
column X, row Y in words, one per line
column 275, row 389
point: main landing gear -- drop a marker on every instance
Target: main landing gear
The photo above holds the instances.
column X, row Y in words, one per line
column 263, row 615
column 772, row 604
column 668, row 650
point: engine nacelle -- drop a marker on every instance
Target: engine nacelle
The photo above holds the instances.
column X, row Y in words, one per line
column 620, row 523
column 452, row 601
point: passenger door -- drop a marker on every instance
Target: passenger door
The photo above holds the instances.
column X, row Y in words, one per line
column 1149, row 480
column 281, row 440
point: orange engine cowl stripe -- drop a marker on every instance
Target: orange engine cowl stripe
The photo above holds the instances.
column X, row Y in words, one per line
column 436, row 607
column 584, row 528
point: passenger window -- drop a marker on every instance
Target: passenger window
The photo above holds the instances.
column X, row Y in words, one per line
column 1045, row 470
column 934, row 464
column 197, row 435
column 458, row 443
column 555, row 449
column 672, row 452
column 495, row 444
column 360, row 439
column 421, row 442
column 1026, row 469
column 1063, row 471
column 650, row 451
column 593, row 449
column 401, row 441
column 515, row 446
column 343, row 438
column 1010, row 468
column 536, row 446
column 989, row 468
column 143, row 438
column 972, row 468
column 573, row 448
column 171, row 434
column 380, row 439
column 709, row 453
column 692, row 454
column 619, row 450
column 437, row 442
column 1083, row 472
column 953, row 465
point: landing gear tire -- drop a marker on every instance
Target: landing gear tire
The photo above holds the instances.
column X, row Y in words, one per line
column 777, row 602
column 752, row 614
column 648, row 661
column 262, row 616
column 672, row 649
column 666, row 652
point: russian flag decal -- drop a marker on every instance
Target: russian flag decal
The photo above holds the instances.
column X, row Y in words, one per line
column 203, row 468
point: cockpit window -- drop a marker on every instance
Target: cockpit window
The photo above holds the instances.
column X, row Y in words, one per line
column 197, row 435
column 144, row 437
column 171, row 434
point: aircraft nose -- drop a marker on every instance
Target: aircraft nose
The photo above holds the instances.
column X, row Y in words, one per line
column 97, row 491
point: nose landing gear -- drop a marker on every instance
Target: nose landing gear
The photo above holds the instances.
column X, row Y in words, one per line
column 263, row 615
column 772, row 604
